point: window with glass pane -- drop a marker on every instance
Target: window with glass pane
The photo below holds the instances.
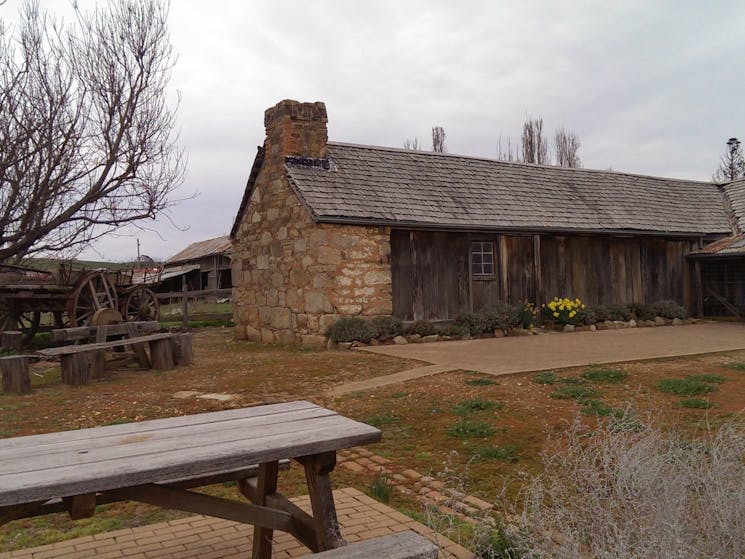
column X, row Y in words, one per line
column 482, row 258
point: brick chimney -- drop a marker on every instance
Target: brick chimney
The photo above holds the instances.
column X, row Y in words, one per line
column 294, row 128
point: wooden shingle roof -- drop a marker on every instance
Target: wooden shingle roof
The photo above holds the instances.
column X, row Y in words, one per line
column 387, row 186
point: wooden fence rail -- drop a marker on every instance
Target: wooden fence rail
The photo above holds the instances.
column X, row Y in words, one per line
column 185, row 295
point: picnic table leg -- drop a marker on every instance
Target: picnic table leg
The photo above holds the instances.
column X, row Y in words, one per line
column 317, row 470
column 266, row 485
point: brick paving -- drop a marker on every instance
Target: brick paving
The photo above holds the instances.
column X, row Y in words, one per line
column 360, row 516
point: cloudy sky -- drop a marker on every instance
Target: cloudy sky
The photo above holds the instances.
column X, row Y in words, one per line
column 652, row 87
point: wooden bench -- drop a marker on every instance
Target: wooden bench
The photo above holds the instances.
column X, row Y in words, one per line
column 78, row 470
column 95, row 333
column 80, row 363
column 404, row 545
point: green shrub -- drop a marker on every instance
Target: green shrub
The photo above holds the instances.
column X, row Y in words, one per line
column 352, row 328
column 588, row 315
column 454, row 331
column 572, row 391
column 697, row 403
column 736, row 366
column 642, row 311
column 526, row 314
column 500, row 317
column 467, row 429
column 684, row 386
column 473, row 322
column 571, row 380
column 380, row 488
column 545, row 377
column 605, row 375
column 466, row 407
column 669, row 309
column 421, row 327
column 388, row 327
column 507, row 453
column 596, row 313
column 619, row 312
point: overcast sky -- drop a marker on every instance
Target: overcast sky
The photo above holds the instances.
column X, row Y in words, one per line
column 650, row 87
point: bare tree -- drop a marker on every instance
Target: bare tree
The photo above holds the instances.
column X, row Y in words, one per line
column 534, row 146
column 731, row 164
column 507, row 152
column 438, row 139
column 566, row 146
column 412, row 144
column 87, row 140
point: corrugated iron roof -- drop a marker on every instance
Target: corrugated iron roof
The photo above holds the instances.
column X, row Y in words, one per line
column 218, row 245
column 368, row 184
column 728, row 246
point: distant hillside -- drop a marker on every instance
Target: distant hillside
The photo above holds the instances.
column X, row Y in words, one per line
column 50, row 264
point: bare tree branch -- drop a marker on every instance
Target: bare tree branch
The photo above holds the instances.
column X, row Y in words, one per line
column 566, row 147
column 731, row 164
column 534, row 146
column 412, row 144
column 438, row 139
column 87, row 140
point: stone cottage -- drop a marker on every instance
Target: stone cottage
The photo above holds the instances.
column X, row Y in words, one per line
column 328, row 229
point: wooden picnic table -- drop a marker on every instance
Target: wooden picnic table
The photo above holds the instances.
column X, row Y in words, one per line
column 156, row 461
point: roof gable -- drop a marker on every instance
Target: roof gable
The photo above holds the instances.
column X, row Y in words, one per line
column 200, row 249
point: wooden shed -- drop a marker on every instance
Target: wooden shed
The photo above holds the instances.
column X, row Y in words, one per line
column 204, row 265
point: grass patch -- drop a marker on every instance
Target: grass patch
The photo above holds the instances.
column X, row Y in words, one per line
column 605, row 375
column 481, row 382
column 572, row 392
column 736, row 366
column 380, row 488
column 469, row 429
column 382, row 419
column 466, row 407
column 118, row 421
column 398, row 395
column 545, row 377
column 599, row 409
column 571, row 380
column 708, row 378
column 697, row 404
column 687, row 386
column 506, row 453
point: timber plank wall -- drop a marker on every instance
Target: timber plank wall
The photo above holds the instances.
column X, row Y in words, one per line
column 433, row 280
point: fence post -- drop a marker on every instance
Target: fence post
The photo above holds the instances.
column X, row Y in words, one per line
column 184, row 303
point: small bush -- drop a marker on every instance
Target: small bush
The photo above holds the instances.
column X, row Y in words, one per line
column 526, row 314
column 684, row 386
column 697, row 403
column 507, row 453
column 711, row 379
column 454, row 331
column 669, row 309
column 352, row 328
column 572, row 391
column 481, row 382
column 736, row 366
column 642, row 311
column 545, row 377
column 474, row 323
column 597, row 313
column 466, row 407
column 470, row 429
column 605, row 375
column 563, row 310
column 500, row 317
column 388, row 327
column 619, row 312
column 421, row 327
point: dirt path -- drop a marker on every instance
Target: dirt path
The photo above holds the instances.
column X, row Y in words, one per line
column 558, row 350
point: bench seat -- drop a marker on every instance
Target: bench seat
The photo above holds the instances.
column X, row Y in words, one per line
column 404, row 545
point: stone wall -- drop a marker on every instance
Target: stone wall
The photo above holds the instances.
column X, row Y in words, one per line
column 292, row 277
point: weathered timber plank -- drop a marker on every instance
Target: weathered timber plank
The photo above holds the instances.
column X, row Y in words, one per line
column 15, row 373
column 71, row 349
column 317, row 470
column 199, row 503
column 148, row 461
column 139, row 347
column 161, row 353
column 77, row 368
column 90, row 332
column 266, row 484
column 139, row 427
column 196, row 434
column 404, row 545
column 183, row 354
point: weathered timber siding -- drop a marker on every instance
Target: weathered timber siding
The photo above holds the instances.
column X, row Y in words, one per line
column 430, row 271
column 723, row 281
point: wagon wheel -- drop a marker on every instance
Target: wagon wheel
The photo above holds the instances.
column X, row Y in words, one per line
column 141, row 304
column 94, row 291
column 24, row 321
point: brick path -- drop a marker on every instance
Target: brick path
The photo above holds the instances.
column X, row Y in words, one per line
column 360, row 516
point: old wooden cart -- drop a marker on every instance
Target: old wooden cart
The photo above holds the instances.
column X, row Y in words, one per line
column 32, row 299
